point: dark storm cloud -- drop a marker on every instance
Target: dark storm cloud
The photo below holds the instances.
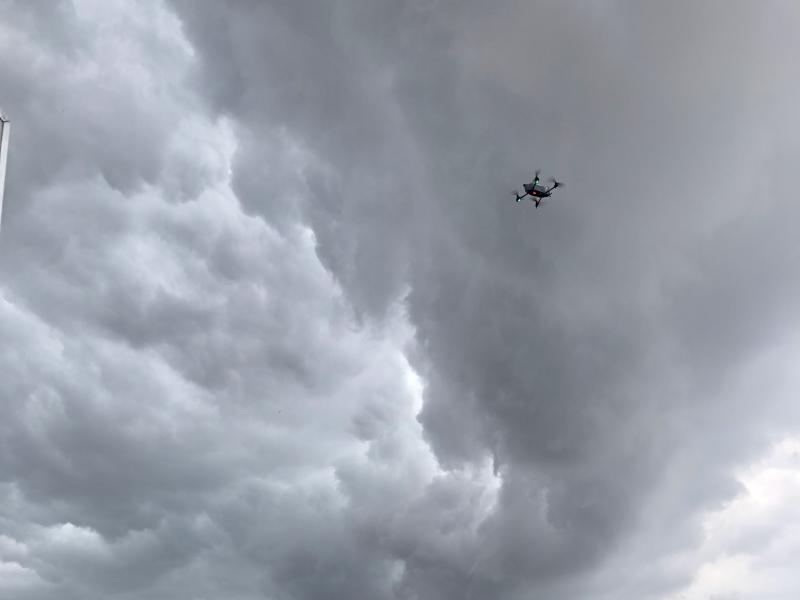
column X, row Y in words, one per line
column 576, row 343
column 207, row 399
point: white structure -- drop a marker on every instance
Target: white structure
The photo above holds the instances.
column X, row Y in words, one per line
column 5, row 129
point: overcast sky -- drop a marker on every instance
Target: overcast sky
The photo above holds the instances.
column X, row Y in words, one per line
column 273, row 327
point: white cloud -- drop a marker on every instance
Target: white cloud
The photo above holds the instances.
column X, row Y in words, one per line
column 750, row 546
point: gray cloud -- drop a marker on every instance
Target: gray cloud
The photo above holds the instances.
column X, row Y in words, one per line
column 228, row 230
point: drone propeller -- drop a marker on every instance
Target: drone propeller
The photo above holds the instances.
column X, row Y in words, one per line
column 555, row 183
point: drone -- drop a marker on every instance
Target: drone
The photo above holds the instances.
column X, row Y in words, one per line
column 538, row 192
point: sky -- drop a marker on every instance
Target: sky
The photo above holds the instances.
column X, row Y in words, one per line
column 273, row 327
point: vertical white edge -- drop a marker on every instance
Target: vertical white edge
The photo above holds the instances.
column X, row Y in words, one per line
column 4, row 131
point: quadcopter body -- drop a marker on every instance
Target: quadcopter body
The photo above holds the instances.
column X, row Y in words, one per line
column 536, row 191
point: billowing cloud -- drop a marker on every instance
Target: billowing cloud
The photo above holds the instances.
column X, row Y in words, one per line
column 273, row 326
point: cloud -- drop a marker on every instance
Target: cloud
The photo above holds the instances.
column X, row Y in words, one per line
column 182, row 381
column 748, row 545
column 272, row 326
column 577, row 350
